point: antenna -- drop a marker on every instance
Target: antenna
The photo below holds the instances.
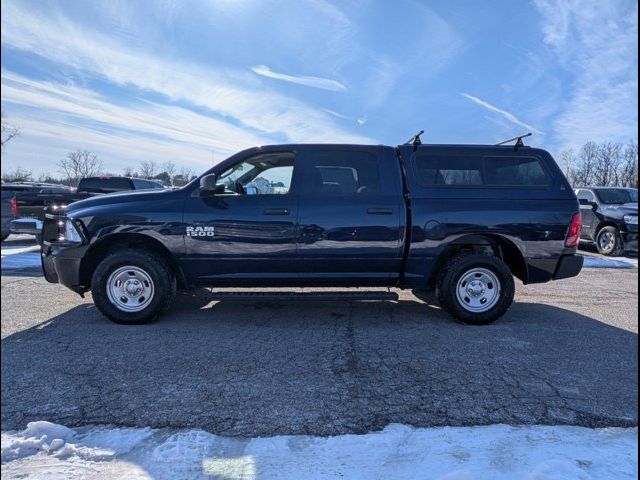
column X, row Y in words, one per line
column 415, row 140
column 518, row 140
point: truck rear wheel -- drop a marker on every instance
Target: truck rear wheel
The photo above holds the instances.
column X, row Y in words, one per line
column 132, row 287
column 476, row 288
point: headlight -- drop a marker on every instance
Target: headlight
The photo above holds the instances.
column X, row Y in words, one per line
column 631, row 219
column 71, row 233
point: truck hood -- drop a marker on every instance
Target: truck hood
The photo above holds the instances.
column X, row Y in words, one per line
column 620, row 210
column 122, row 197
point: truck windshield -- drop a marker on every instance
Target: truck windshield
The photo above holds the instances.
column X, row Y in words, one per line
column 617, row 196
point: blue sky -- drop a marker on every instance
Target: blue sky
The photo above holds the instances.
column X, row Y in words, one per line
column 193, row 82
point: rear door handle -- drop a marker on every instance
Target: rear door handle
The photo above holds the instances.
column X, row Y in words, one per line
column 379, row 211
column 276, row 211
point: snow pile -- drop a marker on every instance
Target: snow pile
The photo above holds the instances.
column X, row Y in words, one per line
column 45, row 450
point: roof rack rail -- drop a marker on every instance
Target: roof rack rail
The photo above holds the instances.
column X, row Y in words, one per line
column 415, row 140
column 518, row 140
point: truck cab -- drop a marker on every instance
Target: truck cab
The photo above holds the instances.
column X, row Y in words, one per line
column 461, row 220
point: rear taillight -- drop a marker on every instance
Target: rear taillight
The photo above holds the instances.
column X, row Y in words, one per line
column 573, row 235
column 13, row 203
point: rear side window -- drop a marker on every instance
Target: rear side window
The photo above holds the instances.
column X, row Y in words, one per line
column 449, row 170
column 514, row 171
column 466, row 170
column 344, row 172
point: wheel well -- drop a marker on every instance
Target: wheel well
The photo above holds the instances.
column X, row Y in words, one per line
column 119, row 241
column 497, row 245
column 605, row 224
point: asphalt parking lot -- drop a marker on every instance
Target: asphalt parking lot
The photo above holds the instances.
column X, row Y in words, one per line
column 566, row 353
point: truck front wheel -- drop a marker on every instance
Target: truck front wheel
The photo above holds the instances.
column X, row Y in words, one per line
column 609, row 242
column 476, row 288
column 132, row 287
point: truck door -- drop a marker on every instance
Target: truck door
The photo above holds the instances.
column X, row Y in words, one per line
column 589, row 219
column 351, row 214
column 248, row 231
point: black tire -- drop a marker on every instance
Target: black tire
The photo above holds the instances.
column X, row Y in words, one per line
column 463, row 264
column 154, row 266
column 609, row 242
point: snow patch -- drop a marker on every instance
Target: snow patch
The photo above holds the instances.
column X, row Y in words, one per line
column 612, row 262
column 17, row 257
column 45, row 450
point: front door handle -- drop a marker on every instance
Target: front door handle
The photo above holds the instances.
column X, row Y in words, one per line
column 379, row 211
column 276, row 211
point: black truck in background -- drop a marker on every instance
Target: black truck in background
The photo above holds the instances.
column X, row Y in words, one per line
column 609, row 218
column 29, row 206
column 463, row 220
column 9, row 205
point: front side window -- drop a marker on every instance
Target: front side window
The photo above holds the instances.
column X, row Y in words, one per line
column 344, row 172
column 264, row 174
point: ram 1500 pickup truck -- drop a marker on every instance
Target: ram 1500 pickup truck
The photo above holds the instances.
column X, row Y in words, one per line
column 461, row 219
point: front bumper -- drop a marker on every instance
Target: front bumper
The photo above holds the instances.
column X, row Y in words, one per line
column 568, row 266
column 61, row 264
column 31, row 226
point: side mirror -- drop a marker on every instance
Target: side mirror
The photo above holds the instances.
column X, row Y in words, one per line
column 209, row 185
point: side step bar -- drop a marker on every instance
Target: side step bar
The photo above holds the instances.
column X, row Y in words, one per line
column 314, row 296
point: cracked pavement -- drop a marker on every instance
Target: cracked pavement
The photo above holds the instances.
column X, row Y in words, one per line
column 566, row 353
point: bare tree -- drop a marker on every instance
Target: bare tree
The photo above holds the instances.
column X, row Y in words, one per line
column 568, row 160
column 46, row 177
column 78, row 165
column 170, row 168
column 605, row 170
column 8, row 131
column 129, row 172
column 17, row 174
column 629, row 169
column 605, row 164
column 184, row 177
column 148, row 169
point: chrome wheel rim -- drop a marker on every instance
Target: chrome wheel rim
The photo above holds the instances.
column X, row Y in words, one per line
column 478, row 290
column 130, row 289
column 607, row 241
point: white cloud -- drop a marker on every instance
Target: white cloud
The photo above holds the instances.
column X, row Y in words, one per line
column 228, row 94
column 83, row 107
column 509, row 116
column 597, row 44
column 359, row 120
column 315, row 82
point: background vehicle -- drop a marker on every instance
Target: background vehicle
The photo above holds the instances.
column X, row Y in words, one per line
column 9, row 206
column 609, row 218
column 30, row 205
column 460, row 219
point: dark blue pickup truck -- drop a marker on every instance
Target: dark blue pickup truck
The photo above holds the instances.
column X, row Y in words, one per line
column 460, row 219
